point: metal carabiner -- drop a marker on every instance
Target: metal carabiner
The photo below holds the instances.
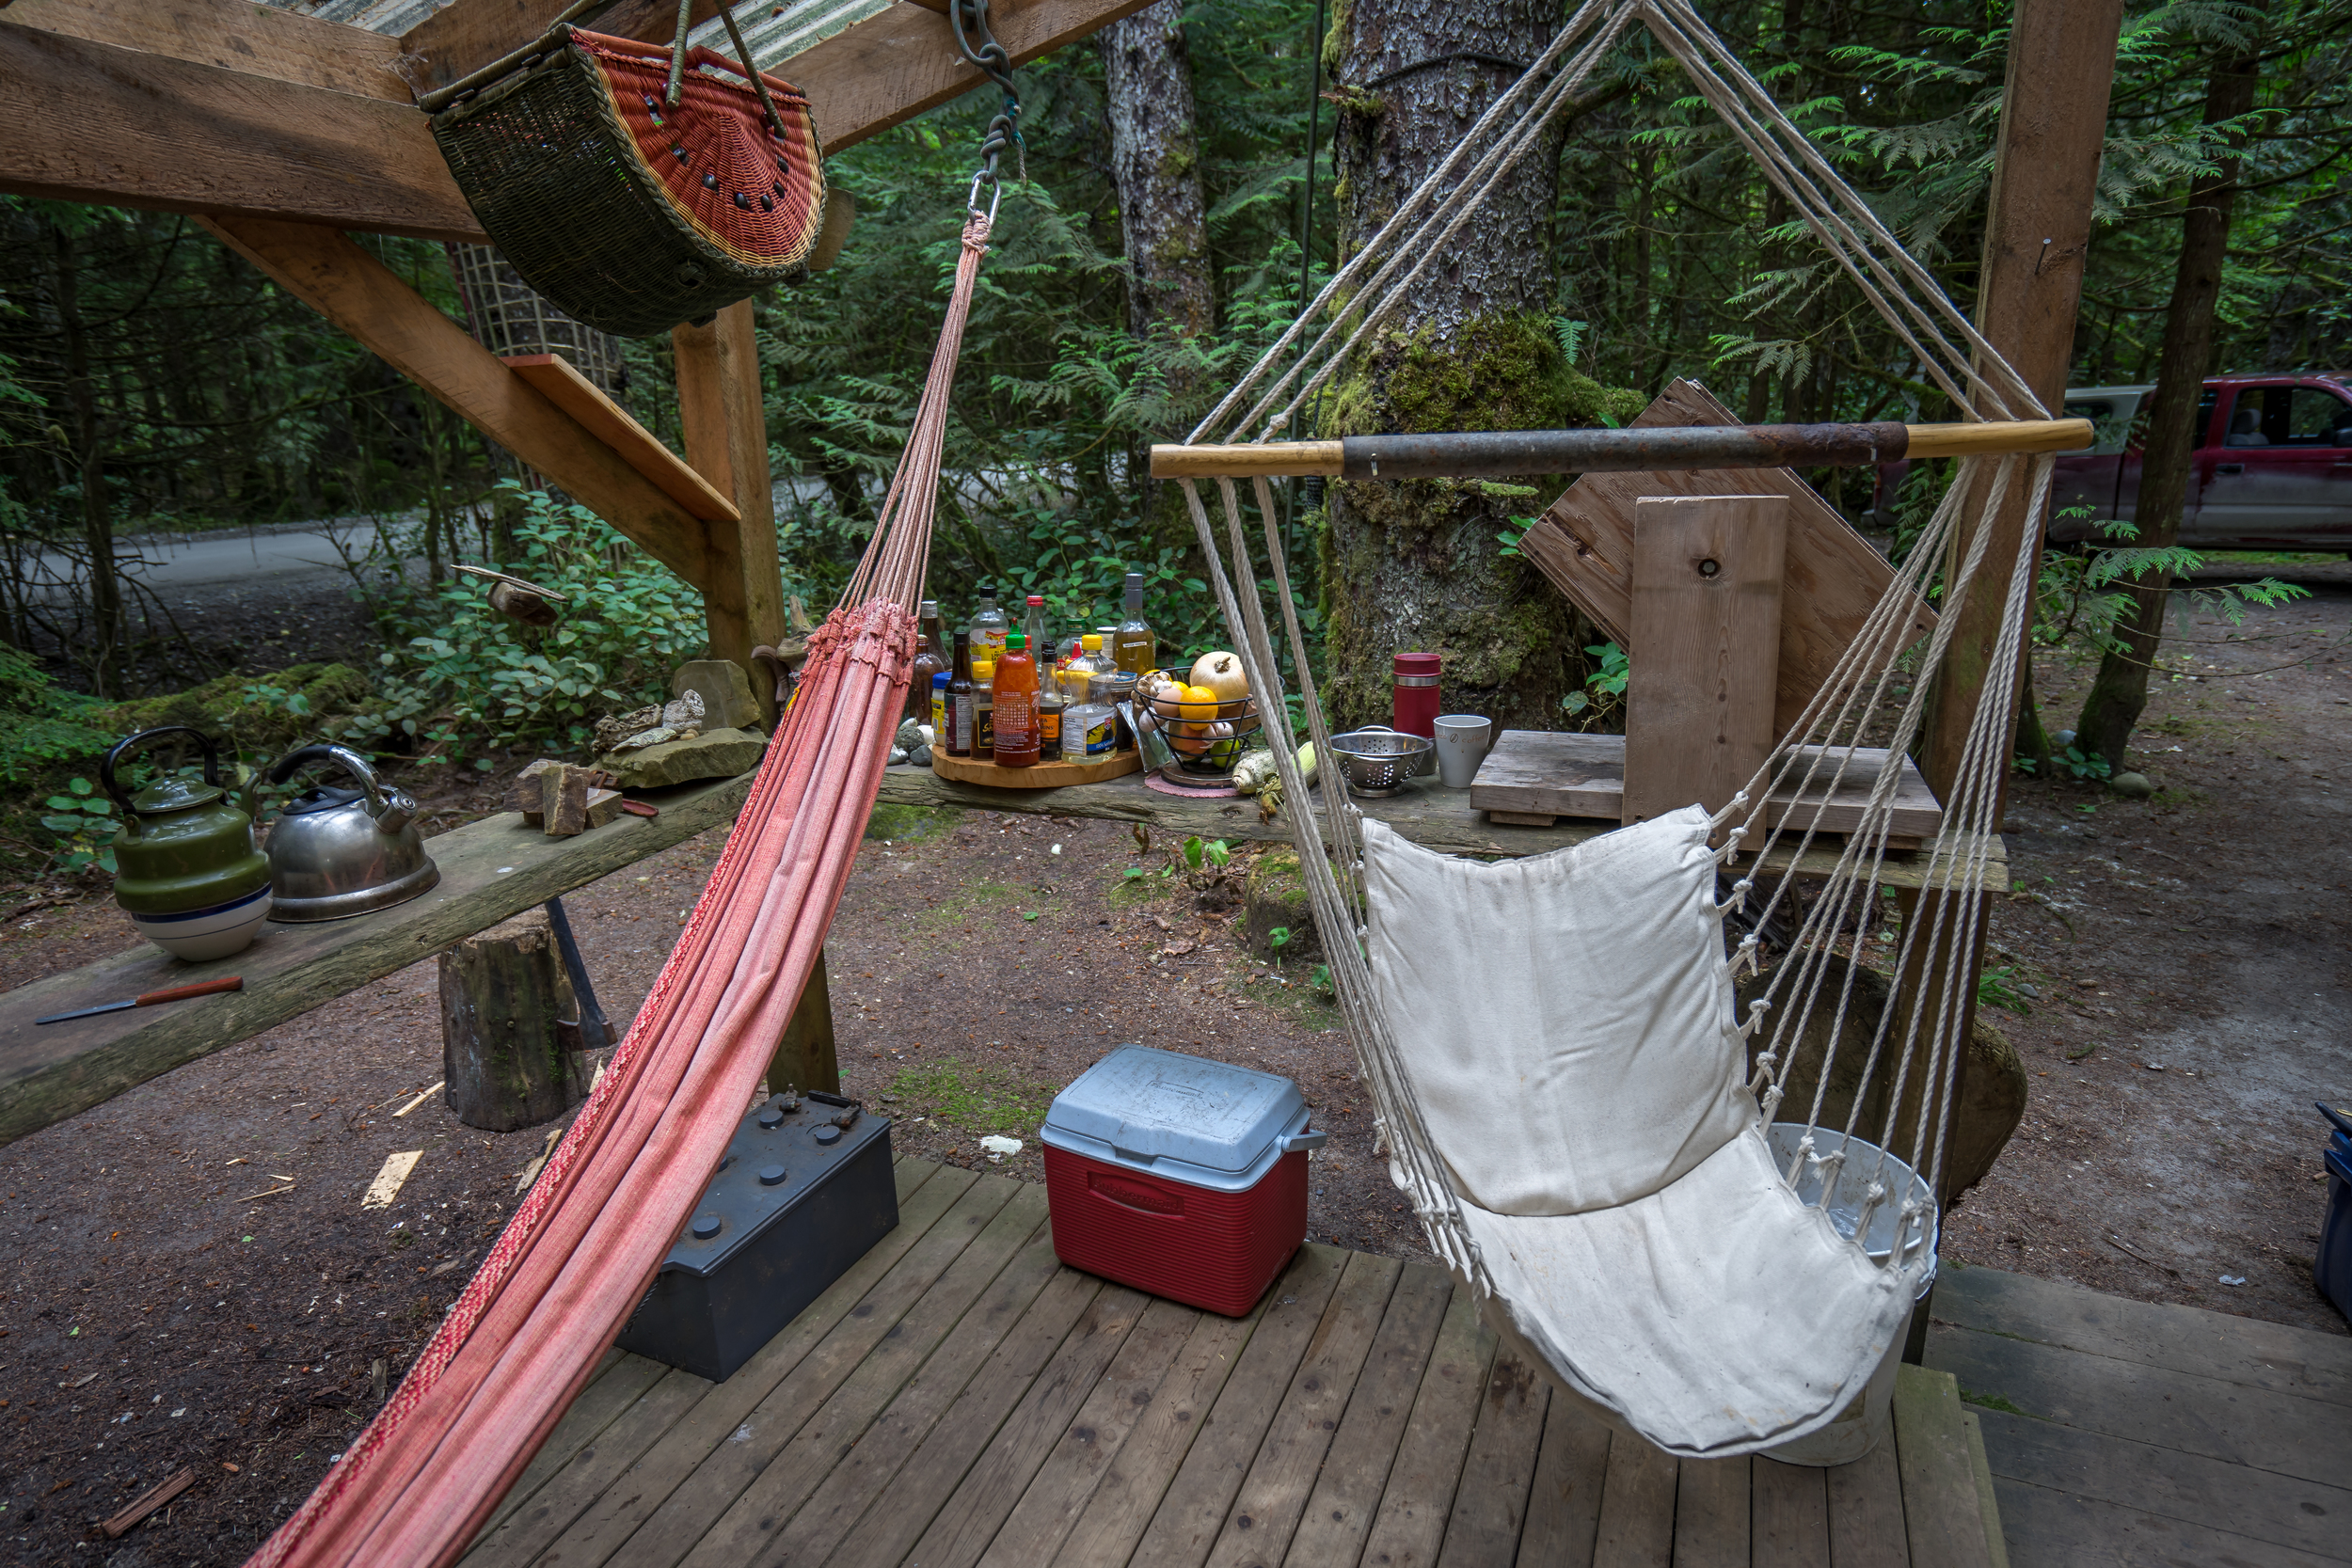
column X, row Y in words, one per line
column 995, row 194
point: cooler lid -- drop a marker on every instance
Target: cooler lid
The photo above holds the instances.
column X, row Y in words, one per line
column 1162, row 1104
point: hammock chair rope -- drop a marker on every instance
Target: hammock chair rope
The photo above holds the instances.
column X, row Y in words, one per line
column 1819, row 750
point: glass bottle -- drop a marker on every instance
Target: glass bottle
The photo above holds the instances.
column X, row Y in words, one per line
column 927, row 664
column 939, row 707
column 1135, row 647
column 963, row 701
column 1051, row 705
column 983, row 707
column 1015, row 705
column 1033, row 626
column 989, row 625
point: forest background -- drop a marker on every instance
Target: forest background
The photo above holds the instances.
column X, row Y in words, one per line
column 1188, row 174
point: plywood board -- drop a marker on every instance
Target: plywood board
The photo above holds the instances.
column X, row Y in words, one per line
column 1705, row 618
column 1832, row 578
column 586, row 402
column 1536, row 775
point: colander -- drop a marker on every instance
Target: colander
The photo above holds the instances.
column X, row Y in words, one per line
column 1376, row 760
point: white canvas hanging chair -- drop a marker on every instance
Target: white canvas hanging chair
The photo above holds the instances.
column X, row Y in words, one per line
column 1562, row 1086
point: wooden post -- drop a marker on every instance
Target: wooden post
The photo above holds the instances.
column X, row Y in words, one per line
column 2045, row 171
column 1705, row 622
column 804, row 1058
column 726, row 423
column 503, row 994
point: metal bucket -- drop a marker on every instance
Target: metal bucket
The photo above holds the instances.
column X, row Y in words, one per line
column 1862, row 1425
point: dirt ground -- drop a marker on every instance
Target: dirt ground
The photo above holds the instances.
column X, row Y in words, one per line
column 2179, row 963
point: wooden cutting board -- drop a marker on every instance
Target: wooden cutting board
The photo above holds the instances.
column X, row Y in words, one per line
column 1535, row 777
column 1831, row 580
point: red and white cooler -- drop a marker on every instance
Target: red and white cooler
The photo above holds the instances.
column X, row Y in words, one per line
column 1179, row 1176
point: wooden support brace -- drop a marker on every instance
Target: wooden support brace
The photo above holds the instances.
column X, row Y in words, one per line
column 366, row 299
column 1705, row 614
column 805, row 1058
column 723, row 412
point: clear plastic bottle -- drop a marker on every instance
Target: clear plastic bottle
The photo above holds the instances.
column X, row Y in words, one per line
column 1135, row 647
column 1078, row 675
column 1089, row 732
column 989, row 625
column 1033, row 627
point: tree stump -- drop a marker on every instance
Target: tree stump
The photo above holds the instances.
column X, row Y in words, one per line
column 503, row 991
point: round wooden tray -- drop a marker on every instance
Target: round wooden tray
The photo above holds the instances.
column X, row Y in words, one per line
column 1043, row 775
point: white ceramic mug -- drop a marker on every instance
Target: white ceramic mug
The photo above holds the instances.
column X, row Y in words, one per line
column 1463, row 739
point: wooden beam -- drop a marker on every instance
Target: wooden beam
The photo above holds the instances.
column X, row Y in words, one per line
column 462, row 38
column 99, row 122
column 232, row 35
column 613, row 424
column 283, row 134
column 725, row 418
column 364, row 297
column 490, row 870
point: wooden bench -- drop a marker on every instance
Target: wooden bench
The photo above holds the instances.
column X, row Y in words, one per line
column 491, row 870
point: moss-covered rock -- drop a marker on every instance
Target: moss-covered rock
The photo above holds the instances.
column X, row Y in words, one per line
column 258, row 713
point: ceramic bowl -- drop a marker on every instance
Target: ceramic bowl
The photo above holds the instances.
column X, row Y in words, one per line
column 212, row 932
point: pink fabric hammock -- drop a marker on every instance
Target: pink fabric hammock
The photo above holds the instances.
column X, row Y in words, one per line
column 580, row 1253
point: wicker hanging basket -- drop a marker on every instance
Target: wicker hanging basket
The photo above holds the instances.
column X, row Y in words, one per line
column 629, row 213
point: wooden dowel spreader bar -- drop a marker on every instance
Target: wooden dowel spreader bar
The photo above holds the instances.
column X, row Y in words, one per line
column 1502, row 453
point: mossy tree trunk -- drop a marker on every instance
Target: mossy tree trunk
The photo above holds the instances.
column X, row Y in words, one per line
column 1163, row 221
column 1417, row 565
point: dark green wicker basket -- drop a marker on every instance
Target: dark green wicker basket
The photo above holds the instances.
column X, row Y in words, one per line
column 629, row 215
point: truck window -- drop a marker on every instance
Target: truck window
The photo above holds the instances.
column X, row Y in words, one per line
column 2315, row 417
column 2205, row 401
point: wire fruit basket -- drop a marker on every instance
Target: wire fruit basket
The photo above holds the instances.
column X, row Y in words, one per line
column 1377, row 761
column 1208, row 738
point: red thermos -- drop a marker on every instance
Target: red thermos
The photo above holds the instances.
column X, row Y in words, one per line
column 1415, row 706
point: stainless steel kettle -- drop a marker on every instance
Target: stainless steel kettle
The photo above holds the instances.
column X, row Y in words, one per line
column 337, row 852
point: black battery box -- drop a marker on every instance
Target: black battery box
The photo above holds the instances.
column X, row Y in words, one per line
column 797, row 1199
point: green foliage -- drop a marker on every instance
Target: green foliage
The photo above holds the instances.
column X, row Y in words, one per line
column 460, row 676
column 1996, row 987
column 1278, row 938
column 84, row 824
column 41, row 723
column 2083, row 596
column 1213, row 852
column 1604, row 697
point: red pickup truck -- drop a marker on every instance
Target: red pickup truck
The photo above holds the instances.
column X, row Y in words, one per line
column 2272, row 470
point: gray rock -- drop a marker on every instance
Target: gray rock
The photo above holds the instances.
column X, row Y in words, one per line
column 614, row 728
column 684, row 711
column 2135, row 787
column 725, row 692
column 910, row 735
column 713, row 755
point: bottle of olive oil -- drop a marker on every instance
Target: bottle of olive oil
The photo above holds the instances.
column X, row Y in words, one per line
column 1135, row 647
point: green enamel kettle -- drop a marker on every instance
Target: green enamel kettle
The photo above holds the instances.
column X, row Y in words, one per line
column 189, row 876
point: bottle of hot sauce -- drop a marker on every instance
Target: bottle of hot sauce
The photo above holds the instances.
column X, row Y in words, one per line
column 961, row 693
column 1017, row 735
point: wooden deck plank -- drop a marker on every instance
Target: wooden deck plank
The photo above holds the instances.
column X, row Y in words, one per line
column 1941, row 1518
column 1056, row 1497
column 2182, row 1338
column 586, row 1425
column 1988, row 1506
column 2187, row 1487
column 1408, row 1526
column 1193, row 1510
column 1711, row 1513
column 1788, row 1515
column 586, row 1481
column 867, row 1471
column 761, row 1469
column 1563, row 1505
column 634, row 1472
column 1339, row 1511
column 600, row 1404
column 1130, row 1491
column 1490, row 1505
column 977, row 1508
column 2048, row 1528
column 1266, row 1511
column 1866, row 1512
column 2285, row 1433
column 931, row 1474
column 1637, row 1507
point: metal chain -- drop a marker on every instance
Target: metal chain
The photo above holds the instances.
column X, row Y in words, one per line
column 977, row 44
